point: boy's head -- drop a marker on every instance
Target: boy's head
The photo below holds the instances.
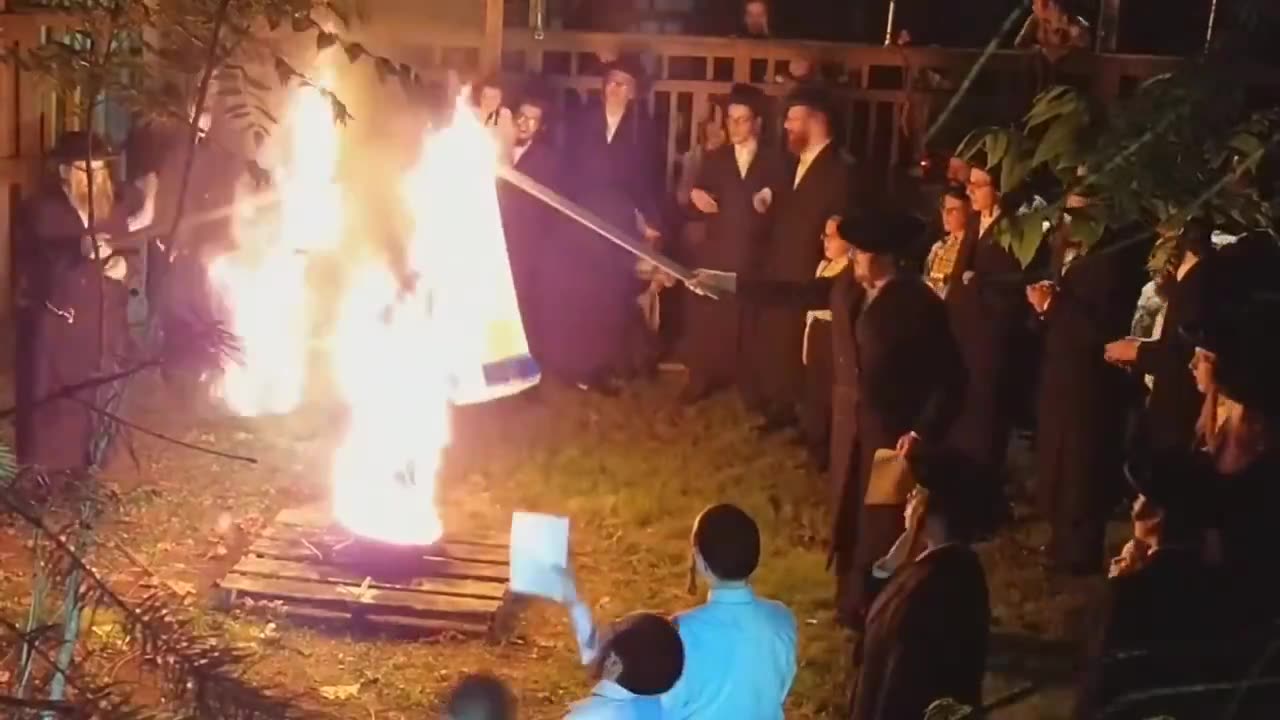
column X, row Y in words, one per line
column 480, row 697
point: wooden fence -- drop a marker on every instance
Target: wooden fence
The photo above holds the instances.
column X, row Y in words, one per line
column 887, row 95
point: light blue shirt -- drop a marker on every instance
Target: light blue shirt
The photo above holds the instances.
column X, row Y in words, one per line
column 739, row 658
column 611, row 701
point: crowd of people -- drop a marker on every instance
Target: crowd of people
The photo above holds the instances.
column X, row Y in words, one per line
column 820, row 315
column 903, row 379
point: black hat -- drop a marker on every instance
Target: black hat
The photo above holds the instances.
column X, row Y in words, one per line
column 651, row 652
column 748, row 95
column 535, row 91
column 882, row 233
column 75, row 145
column 728, row 541
column 628, row 65
column 960, row 489
column 481, row 696
column 813, row 97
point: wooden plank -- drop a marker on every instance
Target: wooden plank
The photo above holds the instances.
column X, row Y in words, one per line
column 323, row 538
column 269, row 567
column 441, row 567
column 416, row 625
column 319, row 516
column 377, row 600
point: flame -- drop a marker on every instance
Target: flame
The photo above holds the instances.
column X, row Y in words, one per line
column 402, row 349
column 262, row 283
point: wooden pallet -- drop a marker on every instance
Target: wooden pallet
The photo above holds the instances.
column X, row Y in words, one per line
column 315, row 571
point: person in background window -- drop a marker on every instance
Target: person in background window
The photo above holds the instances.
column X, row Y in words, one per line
column 480, row 697
column 1054, row 30
column 711, row 135
column 755, row 20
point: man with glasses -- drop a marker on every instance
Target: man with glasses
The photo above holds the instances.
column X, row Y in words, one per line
column 731, row 192
column 531, row 225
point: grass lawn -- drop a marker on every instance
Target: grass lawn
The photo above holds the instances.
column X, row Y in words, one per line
column 630, row 473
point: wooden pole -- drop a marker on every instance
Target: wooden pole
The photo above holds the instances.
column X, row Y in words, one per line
column 491, row 58
column 1213, row 21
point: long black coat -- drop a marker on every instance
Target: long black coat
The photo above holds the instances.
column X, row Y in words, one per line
column 793, row 249
column 1175, row 403
column 983, row 314
column 532, row 228
column 594, row 279
column 736, row 236
column 58, row 320
column 926, row 638
column 896, row 370
column 1083, row 402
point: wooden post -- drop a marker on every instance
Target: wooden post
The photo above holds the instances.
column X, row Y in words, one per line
column 491, row 57
column 1108, row 26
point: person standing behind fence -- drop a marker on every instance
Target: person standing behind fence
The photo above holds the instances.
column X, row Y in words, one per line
column 731, row 192
column 815, row 188
column 612, row 167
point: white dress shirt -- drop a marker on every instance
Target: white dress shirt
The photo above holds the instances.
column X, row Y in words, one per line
column 518, row 152
column 611, row 701
column 806, row 159
column 744, row 154
column 612, row 122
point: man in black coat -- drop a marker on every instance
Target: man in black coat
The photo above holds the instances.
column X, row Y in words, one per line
column 1083, row 400
column 815, row 188
column 1175, row 403
column 611, row 166
column 732, row 192
column 71, row 304
column 529, row 223
column 978, row 281
column 899, row 381
column 927, row 631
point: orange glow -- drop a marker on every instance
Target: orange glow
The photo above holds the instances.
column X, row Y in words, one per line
column 400, row 349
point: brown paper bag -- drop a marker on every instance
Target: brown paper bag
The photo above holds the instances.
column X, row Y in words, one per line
column 891, row 481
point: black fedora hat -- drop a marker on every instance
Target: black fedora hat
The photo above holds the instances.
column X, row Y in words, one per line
column 627, row 64
column 76, row 145
column 749, row 96
column 882, row 233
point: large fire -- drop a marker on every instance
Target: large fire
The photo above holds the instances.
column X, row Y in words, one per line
column 401, row 349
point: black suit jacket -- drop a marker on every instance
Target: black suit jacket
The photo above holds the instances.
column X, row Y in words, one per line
column 795, row 244
column 1175, row 403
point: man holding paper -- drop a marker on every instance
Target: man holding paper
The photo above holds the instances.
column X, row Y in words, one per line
column 899, row 380
column 739, row 649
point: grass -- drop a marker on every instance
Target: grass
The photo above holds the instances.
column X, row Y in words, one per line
column 630, row 472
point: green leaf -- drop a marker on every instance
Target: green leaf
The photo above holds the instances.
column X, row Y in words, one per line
column 1026, row 234
column 1247, row 144
column 997, row 144
column 1058, row 140
column 1055, row 102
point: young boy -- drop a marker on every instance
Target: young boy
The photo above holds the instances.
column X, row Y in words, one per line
column 818, row 371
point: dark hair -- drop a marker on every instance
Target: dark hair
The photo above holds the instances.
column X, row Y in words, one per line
column 651, row 652
column 1197, row 237
column 481, row 697
column 728, row 540
column 955, row 192
column 488, row 81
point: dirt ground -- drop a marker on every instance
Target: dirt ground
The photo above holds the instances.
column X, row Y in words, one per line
column 630, row 472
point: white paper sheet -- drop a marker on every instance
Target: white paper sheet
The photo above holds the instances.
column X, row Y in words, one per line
column 539, row 554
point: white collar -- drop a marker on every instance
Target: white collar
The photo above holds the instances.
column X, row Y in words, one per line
column 750, row 147
column 612, row 691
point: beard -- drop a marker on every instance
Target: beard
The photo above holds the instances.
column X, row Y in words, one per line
column 797, row 142
column 103, row 193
